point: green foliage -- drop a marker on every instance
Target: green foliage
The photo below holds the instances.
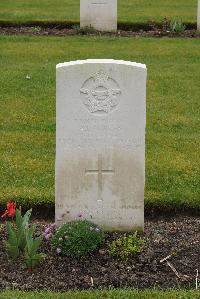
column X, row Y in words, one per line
column 17, row 234
column 32, row 257
column 77, row 238
column 176, row 26
column 22, row 223
column 125, row 246
column 20, row 239
column 35, row 29
column 12, row 242
column 84, row 30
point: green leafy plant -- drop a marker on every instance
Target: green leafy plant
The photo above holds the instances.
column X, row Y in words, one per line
column 77, row 238
column 36, row 29
column 125, row 246
column 11, row 244
column 22, row 223
column 32, row 257
column 176, row 25
column 84, row 30
column 17, row 234
column 20, row 239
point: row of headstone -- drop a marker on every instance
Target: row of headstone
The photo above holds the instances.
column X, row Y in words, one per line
column 100, row 143
column 102, row 14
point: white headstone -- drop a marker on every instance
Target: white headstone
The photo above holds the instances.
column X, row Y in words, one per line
column 198, row 16
column 100, row 142
column 99, row 14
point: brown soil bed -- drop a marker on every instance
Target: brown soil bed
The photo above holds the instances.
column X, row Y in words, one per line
column 176, row 236
column 48, row 31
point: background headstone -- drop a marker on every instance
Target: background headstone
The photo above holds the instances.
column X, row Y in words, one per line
column 99, row 14
column 100, row 143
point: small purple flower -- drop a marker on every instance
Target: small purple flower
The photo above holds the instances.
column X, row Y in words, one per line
column 52, row 225
column 47, row 236
column 47, row 230
column 58, row 250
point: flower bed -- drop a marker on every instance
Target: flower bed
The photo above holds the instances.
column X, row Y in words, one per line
column 176, row 238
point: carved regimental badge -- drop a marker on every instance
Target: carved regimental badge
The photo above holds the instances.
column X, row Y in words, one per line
column 100, row 93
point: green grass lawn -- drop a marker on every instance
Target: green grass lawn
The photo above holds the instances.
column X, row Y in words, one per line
column 134, row 11
column 113, row 294
column 27, row 118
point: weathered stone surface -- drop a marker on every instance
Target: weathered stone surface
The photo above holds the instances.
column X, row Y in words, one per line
column 100, row 142
column 99, row 14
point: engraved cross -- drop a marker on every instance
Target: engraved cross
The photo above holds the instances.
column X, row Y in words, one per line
column 100, row 171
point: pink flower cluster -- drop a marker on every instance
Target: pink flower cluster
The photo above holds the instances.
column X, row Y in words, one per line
column 58, row 250
column 49, row 231
column 48, row 234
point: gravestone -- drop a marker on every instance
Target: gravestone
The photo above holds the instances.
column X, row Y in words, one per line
column 198, row 15
column 100, row 143
column 99, row 14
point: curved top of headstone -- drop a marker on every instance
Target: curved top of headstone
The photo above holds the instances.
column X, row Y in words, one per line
column 104, row 61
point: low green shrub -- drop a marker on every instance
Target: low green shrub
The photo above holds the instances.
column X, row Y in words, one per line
column 176, row 26
column 125, row 246
column 77, row 238
column 84, row 30
column 35, row 29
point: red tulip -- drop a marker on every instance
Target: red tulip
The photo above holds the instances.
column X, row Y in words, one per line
column 10, row 210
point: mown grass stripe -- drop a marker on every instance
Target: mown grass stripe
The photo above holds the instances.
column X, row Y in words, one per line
column 27, row 118
column 129, row 11
column 112, row 294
